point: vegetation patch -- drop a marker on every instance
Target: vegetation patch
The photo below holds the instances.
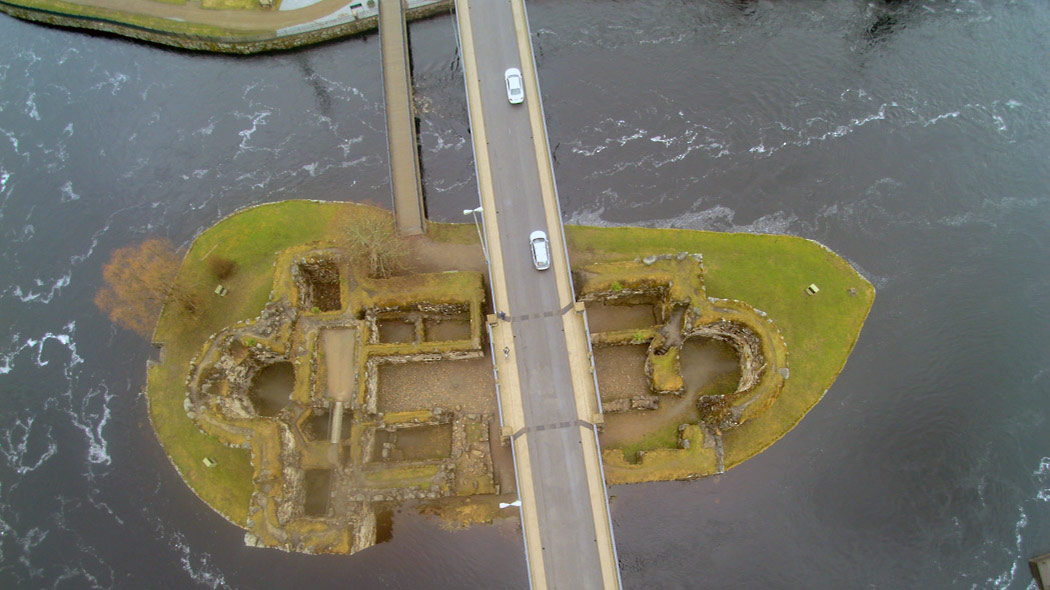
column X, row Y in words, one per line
column 231, row 4
column 456, row 513
column 667, row 371
column 665, row 437
column 771, row 274
column 420, row 443
column 252, row 239
column 417, row 476
column 696, row 460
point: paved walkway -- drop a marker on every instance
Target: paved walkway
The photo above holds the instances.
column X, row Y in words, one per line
column 340, row 359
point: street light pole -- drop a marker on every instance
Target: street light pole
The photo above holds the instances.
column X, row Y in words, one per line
column 481, row 234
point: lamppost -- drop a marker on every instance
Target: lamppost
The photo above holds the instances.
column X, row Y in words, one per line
column 479, row 225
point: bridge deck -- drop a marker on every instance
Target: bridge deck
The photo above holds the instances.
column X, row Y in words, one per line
column 400, row 120
column 548, row 394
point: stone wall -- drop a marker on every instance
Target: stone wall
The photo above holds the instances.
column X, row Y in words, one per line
column 673, row 283
column 217, row 399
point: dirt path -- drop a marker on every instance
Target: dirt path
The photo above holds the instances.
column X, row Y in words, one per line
column 624, row 427
column 340, row 344
column 425, row 255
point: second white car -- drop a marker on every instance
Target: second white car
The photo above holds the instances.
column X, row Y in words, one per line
column 515, row 85
column 541, row 250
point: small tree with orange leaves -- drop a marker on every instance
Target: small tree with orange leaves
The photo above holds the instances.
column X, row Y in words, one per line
column 139, row 280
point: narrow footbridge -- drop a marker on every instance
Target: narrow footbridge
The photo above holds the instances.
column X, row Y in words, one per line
column 405, row 183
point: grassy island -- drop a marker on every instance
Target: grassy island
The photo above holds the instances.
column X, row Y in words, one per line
column 708, row 348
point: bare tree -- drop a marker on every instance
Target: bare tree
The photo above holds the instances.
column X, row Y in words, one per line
column 139, row 280
column 371, row 236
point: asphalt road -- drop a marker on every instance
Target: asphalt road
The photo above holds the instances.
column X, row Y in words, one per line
column 567, row 528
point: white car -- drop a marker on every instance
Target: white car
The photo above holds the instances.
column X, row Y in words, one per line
column 541, row 250
column 515, row 86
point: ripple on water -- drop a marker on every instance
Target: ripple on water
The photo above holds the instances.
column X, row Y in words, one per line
column 26, row 448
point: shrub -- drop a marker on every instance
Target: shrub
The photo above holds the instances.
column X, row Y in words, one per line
column 221, row 267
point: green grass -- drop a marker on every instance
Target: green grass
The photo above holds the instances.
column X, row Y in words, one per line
column 252, row 239
column 666, row 373
column 453, row 233
column 445, row 287
column 410, row 416
column 662, row 463
column 770, row 273
column 231, row 4
column 665, row 437
column 476, row 431
column 419, row 476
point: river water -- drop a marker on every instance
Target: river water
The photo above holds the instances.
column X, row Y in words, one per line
column 910, row 137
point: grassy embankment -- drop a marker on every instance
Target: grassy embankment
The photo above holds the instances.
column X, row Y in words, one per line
column 252, row 239
column 769, row 272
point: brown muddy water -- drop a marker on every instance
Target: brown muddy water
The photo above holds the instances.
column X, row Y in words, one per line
column 317, row 484
column 706, row 361
column 318, row 425
column 271, row 388
column 418, row 443
column 607, row 318
column 440, row 330
column 396, row 331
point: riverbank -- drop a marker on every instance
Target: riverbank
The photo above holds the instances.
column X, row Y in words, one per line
column 194, row 26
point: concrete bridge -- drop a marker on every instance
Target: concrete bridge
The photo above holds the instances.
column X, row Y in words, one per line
column 548, row 394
